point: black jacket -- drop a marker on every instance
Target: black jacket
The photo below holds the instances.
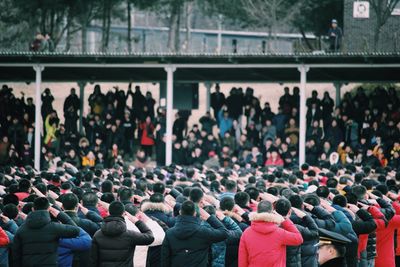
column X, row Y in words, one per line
column 336, row 262
column 323, row 219
column 114, row 245
column 188, row 242
column 304, row 255
column 36, row 241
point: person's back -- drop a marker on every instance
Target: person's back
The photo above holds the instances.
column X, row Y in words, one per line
column 36, row 241
column 114, row 245
column 264, row 242
column 188, row 242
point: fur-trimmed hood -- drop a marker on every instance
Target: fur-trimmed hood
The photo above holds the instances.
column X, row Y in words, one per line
column 265, row 223
column 151, row 206
column 266, row 217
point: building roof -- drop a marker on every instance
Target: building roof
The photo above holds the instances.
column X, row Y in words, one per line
column 149, row 67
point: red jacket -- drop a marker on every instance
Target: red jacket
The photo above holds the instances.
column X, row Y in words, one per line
column 4, row 241
column 277, row 162
column 385, row 237
column 146, row 139
column 21, row 195
column 264, row 242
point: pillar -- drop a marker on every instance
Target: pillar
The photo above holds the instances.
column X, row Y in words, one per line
column 38, row 118
column 303, row 121
column 81, row 106
column 170, row 116
column 338, row 87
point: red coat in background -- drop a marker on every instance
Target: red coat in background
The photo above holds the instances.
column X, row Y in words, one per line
column 264, row 242
column 21, row 195
column 147, row 140
column 385, row 237
column 277, row 162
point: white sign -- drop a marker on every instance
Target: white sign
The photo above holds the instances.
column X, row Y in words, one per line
column 361, row 10
column 396, row 10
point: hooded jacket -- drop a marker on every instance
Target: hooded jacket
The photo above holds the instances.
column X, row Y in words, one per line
column 114, row 245
column 264, row 242
column 304, row 255
column 188, row 242
column 36, row 241
column 385, row 234
column 159, row 211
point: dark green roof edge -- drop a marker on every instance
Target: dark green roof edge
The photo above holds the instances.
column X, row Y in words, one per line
column 199, row 58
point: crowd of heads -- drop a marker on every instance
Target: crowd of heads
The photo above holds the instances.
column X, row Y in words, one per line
column 224, row 185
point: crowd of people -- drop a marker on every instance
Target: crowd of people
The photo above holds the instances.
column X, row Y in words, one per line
column 239, row 215
column 125, row 126
column 238, row 198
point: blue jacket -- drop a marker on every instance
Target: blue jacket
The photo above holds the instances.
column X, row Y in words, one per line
column 10, row 228
column 225, row 124
column 223, row 250
column 67, row 246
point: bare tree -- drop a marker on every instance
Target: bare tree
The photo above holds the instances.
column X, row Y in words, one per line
column 270, row 14
column 383, row 10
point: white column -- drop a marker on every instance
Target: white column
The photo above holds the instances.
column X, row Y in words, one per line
column 82, row 102
column 170, row 116
column 338, row 87
column 303, row 121
column 38, row 118
column 208, row 95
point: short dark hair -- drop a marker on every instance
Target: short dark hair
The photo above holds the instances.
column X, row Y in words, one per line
column 242, row 199
column 331, row 183
column 106, row 186
column 41, row 203
column 296, row 201
column 89, row 199
column 312, row 200
column 196, row 194
column 230, row 185
column 125, row 194
column 227, row 203
column 323, row 191
column 107, row 197
column 340, row 201
column 264, row 206
column 283, row 206
column 116, row 208
column 131, row 209
column 188, row 208
column 69, row 201
column 24, row 185
column 359, row 191
column 253, row 192
column 10, row 210
column 159, row 188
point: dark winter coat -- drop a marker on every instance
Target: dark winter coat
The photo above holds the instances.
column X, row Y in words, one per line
column 323, row 219
column 114, row 245
column 36, row 241
column 159, row 211
column 225, row 253
column 188, row 242
column 305, row 254
column 336, row 262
